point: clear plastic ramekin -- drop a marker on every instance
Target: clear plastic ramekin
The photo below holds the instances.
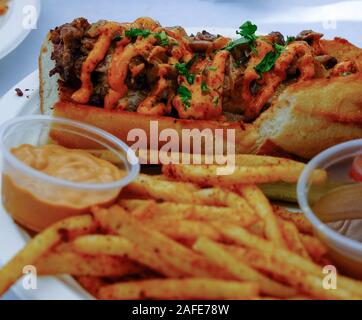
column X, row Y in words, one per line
column 43, row 130
column 342, row 238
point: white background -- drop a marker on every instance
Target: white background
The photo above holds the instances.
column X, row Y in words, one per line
column 330, row 17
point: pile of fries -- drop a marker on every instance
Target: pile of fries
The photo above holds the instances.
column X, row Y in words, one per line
column 190, row 234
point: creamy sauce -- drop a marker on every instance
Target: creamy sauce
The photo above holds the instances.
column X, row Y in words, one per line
column 203, row 105
column 37, row 204
column 97, row 54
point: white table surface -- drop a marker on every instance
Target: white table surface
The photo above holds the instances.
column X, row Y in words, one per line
column 330, row 17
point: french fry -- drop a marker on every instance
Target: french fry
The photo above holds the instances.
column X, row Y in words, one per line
column 264, row 210
column 206, row 175
column 293, row 238
column 169, row 252
column 185, row 232
column 242, row 237
column 315, row 248
column 85, row 265
column 154, row 188
column 239, row 270
column 118, row 246
column 250, row 160
column 91, row 284
column 179, row 211
column 41, row 244
column 220, row 197
column 180, row 192
column 303, row 281
column 298, row 218
column 171, row 289
column 102, row 244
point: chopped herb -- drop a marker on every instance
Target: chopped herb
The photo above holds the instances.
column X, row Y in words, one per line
column 290, row 39
column 212, row 68
column 247, row 33
column 215, row 101
column 184, row 71
column 247, row 30
column 204, row 87
column 185, row 96
column 236, row 43
column 269, row 60
column 345, row 74
column 162, row 38
column 134, row 33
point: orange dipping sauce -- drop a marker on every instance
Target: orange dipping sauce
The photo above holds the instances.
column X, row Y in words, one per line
column 36, row 203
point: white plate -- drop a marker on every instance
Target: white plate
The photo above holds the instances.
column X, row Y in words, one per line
column 12, row 237
column 13, row 25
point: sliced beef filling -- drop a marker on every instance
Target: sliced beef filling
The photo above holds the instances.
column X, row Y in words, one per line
column 69, row 50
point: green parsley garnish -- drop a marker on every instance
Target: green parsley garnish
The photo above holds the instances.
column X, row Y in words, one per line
column 134, row 33
column 247, row 33
column 162, row 38
column 212, row 68
column 185, row 96
column 183, row 70
column 204, row 87
column 269, row 60
column 215, row 101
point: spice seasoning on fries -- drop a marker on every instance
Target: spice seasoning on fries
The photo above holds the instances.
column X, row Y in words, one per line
column 168, row 239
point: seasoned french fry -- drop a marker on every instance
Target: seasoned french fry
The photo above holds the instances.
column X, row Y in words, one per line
column 221, row 197
column 118, row 246
column 239, row 270
column 186, row 232
column 292, row 238
column 242, row 237
column 169, row 252
column 206, row 175
column 40, row 245
column 154, row 188
column 315, row 248
column 264, row 210
column 297, row 218
column 303, row 281
column 177, row 211
column 171, row 289
column 91, row 284
column 85, row 265
column 250, row 160
column 181, row 192
column 102, row 244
